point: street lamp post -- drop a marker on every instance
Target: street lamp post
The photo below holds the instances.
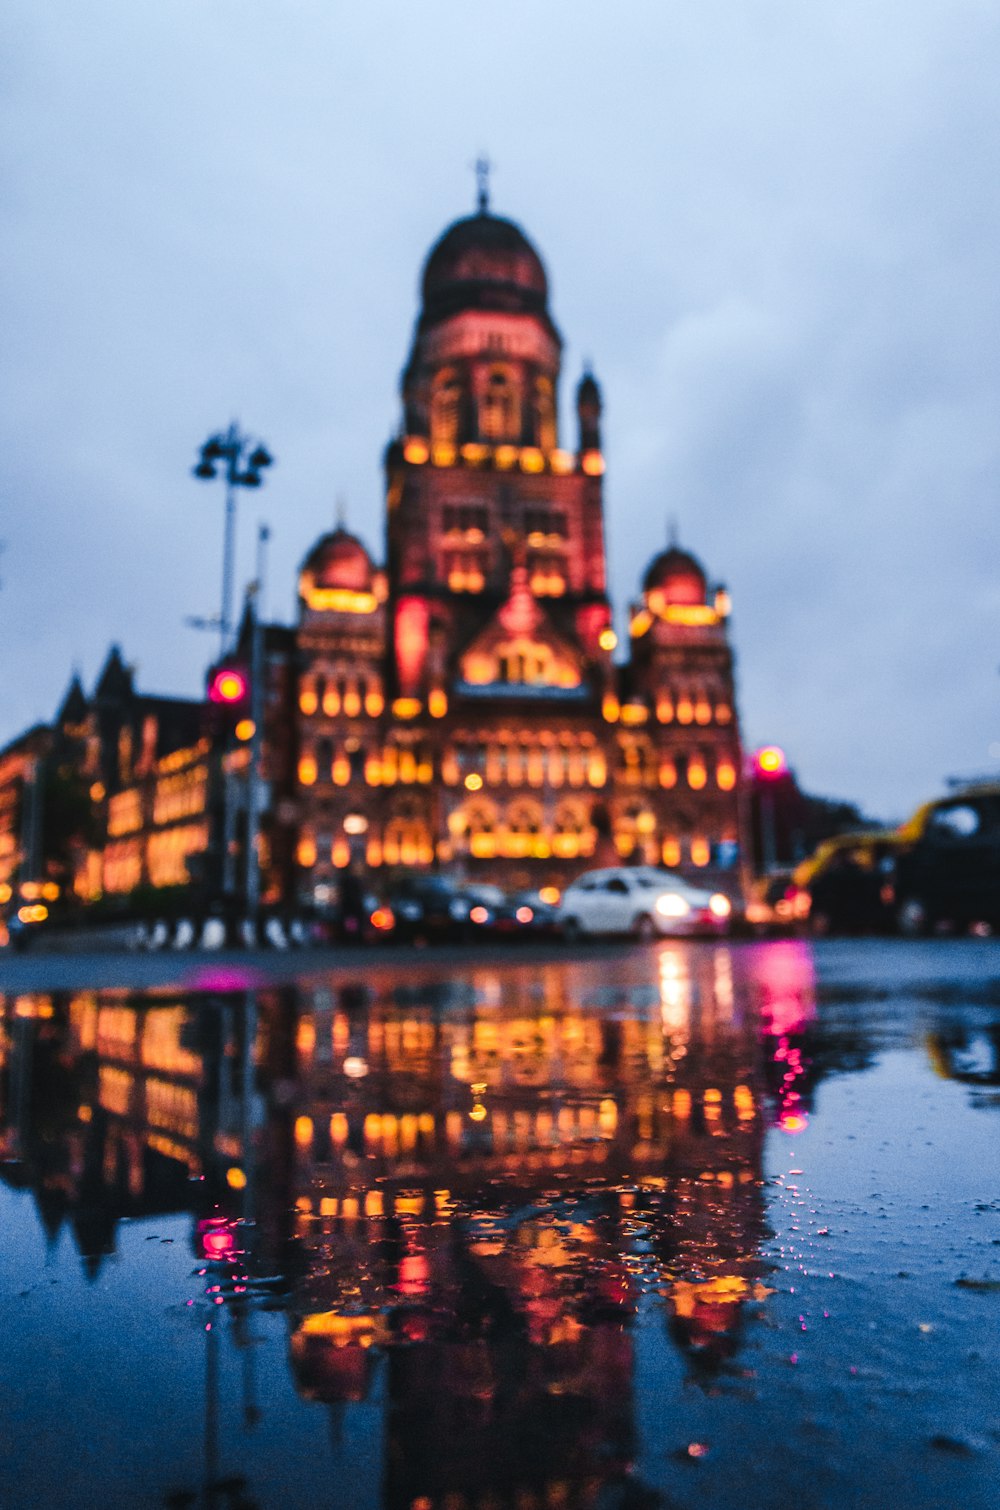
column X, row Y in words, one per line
column 244, row 459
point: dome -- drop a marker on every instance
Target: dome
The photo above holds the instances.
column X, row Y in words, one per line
column 676, row 577
column 483, row 262
column 339, row 560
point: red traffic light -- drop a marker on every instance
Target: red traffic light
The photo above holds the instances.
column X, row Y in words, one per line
column 229, row 686
column 769, row 762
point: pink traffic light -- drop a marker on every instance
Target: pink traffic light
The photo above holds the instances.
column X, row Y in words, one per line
column 229, row 685
column 770, row 762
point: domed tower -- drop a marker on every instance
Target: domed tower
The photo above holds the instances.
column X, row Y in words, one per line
column 341, row 699
column 499, row 620
column 679, row 724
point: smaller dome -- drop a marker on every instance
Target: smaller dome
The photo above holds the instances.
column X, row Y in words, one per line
column 340, row 560
column 676, row 577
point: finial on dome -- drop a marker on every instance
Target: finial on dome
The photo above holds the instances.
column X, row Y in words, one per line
column 672, row 531
column 483, row 167
column 341, row 512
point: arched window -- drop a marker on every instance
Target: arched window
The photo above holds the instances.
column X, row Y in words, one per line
column 524, row 827
column 545, row 415
column 446, row 407
column 499, row 411
column 572, row 835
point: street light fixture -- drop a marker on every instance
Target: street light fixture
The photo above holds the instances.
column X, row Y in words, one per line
column 243, row 459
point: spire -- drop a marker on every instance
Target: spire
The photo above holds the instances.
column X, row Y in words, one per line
column 483, row 167
column 672, row 531
column 341, row 512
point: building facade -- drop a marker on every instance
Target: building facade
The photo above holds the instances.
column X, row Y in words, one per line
column 461, row 703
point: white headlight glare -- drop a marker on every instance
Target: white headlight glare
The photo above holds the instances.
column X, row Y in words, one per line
column 670, row 904
column 720, row 906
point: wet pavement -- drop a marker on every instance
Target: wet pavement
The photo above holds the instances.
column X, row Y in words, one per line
column 669, row 1226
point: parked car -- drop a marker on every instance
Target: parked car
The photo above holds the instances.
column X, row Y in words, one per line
column 435, row 908
column 945, row 868
column 641, row 900
column 844, row 887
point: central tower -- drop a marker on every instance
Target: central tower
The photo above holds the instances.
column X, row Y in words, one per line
column 482, row 499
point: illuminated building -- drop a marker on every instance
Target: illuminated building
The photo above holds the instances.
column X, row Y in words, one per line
column 462, row 704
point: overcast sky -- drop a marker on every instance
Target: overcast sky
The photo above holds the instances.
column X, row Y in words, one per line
column 772, row 225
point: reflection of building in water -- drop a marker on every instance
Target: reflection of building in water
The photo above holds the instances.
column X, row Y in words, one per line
column 486, row 1176
column 491, row 1179
column 110, row 1107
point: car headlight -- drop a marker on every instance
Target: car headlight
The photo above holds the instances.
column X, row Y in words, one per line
column 670, row 904
column 719, row 906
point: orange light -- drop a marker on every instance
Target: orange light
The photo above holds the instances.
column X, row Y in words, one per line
column 532, row 460
column 592, row 463
column 607, row 639
column 97, row 792
column 726, row 776
column 416, row 451
column 479, row 915
column 437, row 703
column 473, row 782
column 382, row 919
column 550, row 894
column 524, row 914
column 235, row 1178
column 245, row 729
column 406, row 707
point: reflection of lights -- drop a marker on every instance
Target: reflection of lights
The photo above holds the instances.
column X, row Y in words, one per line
column 216, row 1237
column 236, row 1178
column 303, row 1131
column 477, row 1113
column 672, row 905
column 355, row 1068
column 793, row 1121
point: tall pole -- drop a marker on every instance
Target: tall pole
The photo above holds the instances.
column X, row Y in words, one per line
column 258, row 709
column 244, row 461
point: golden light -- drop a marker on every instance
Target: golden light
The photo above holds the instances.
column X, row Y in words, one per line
column 236, row 1178
column 5, row 892
column 610, row 708
column 561, row 461
column 505, row 456
column 634, row 713
column 671, row 852
column 406, row 707
column 355, row 823
column 475, row 453
column 340, row 853
column 550, row 895
column 443, row 454
column 308, row 702
column 478, row 1112
column 697, row 775
column 592, row 463
column 307, row 770
column 245, row 729
column 607, row 639
column 532, row 460
column 437, row 703
column 726, row 776
column 701, row 852
column 30, row 890
column 720, row 906
column 355, row 1068
column 97, row 792
column 50, row 891
column 374, row 703
column 305, row 853
column 416, row 451
column 473, row 782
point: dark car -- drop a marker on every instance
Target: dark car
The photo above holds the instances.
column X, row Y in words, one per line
column 845, row 887
column 430, row 908
column 946, row 867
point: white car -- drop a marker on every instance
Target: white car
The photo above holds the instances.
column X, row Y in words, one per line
column 642, row 901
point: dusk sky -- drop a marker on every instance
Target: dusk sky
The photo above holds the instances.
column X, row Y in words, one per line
column 772, row 226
